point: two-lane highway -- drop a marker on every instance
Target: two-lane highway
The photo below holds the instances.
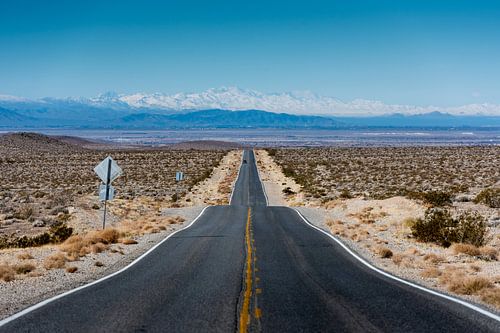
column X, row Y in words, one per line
column 250, row 267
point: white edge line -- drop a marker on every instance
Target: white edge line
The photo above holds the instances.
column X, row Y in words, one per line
column 260, row 179
column 237, row 175
column 430, row 291
column 49, row 300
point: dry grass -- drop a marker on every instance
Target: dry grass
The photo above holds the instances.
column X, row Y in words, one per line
column 95, row 241
column 475, row 268
column 434, row 258
column 457, row 282
column 148, row 224
column 55, row 261
column 398, row 258
column 24, row 256
column 71, row 269
column 431, row 272
column 491, row 296
column 7, row 272
column 384, row 252
column 489, row 253
column 468, row 249
column 24, row 268
column 485, row 252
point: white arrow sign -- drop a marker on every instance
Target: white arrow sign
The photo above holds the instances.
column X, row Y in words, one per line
column 102, row 192
column 102, row 170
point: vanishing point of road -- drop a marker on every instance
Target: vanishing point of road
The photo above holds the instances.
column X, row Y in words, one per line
column 250, row 267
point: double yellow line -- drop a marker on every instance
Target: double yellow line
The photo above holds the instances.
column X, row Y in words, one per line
column 245, row 309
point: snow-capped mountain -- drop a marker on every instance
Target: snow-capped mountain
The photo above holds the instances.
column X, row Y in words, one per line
column 232, row 98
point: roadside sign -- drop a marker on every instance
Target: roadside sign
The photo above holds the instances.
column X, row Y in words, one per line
column 179, row 176
column 102, row 192
column 108, row 171
column 102, row 170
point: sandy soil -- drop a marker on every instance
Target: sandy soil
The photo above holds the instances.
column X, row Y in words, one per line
column 373, row 227
column 216, row 190
column 276, row 182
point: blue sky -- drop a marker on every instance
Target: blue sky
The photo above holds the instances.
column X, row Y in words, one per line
column 421, row 52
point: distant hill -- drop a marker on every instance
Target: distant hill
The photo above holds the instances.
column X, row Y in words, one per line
column 34, row 142
column 229, row 119
column 432, row 119
column 71, row 114
column 9, row 118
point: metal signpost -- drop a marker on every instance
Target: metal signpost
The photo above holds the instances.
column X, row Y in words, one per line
column 107, row 171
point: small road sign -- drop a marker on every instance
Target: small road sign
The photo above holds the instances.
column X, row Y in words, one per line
column 102, row 170
column 108, row 171
column 105, row 194
column 179, row 176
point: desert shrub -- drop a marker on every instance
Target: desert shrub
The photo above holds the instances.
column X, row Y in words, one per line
column 106, row 236
column 491, row 296
column 440, row 227
column 23, row 212
column 432, row 272
column 56, row 234
column 56, row 260
column 432, row 228
column 468, row 285
column 345, row 194
column 272, row 152
column 471, row 229
column 398, row 258
column 288, row 191
column 60, row 232
column 71, row 269
column 433, row 198
column 7, row 272
column 434, row 258
column 468, row 249
column 289, row 172
column 490, row 197
column 489, row 253
column 24, row 256
column 24, row 268
column 93, row 242
column 384, row 252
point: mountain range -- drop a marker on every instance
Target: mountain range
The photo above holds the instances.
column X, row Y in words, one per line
column 232, row 108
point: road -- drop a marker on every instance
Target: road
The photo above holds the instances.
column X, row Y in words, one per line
column 250, row 267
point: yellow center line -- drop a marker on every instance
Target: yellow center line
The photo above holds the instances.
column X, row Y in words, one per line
column 245, row 313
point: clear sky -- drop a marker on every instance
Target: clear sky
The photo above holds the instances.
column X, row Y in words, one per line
column 410, row 52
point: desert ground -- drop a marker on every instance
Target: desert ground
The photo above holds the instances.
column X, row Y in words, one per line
column 50, row 216
column 375, row 199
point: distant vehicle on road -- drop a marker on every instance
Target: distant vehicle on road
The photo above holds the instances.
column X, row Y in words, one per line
column 244, row 161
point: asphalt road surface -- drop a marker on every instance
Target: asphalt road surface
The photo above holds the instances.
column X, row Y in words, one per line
column 250, row 267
